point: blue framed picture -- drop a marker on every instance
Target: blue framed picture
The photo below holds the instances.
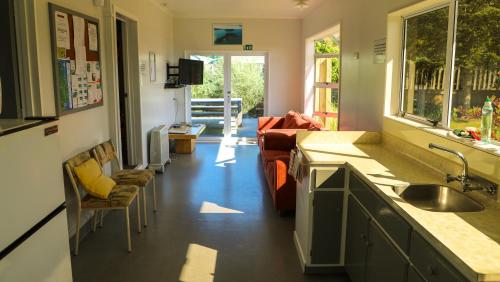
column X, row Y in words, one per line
column 228, row 34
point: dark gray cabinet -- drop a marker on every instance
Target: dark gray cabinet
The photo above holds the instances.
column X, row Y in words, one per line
column 370, row 255
column 413, row 276
column 356, row 241
column 431, row 264
column 383, row 262
column 380, row 244
column 327, row 228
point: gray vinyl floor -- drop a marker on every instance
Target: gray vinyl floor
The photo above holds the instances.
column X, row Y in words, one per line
column 215, row 222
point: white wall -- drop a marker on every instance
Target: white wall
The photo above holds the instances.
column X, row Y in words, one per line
column 83, row 130
column 281, row 38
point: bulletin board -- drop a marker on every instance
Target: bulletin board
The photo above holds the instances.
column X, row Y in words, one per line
column 76, row 60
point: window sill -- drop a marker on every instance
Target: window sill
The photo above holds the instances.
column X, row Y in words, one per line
column 493, row 148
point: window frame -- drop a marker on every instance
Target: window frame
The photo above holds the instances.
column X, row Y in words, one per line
column 328, row 85
column 449, row 67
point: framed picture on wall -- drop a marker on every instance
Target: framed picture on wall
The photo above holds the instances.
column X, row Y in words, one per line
column 152, row 66
column 227, row 34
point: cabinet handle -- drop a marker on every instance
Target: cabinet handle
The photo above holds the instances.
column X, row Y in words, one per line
column 431, row 270
column 363, row 236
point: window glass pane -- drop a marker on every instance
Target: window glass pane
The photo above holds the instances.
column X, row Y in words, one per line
column 207, row 101
column 425, row 47
column 326, row 107
column 477, row 64
column 327, row 68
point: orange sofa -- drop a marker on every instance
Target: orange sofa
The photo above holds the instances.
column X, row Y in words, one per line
column 276, row 138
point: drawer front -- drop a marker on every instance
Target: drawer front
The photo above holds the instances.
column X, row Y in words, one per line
column 430, row 263
column 393, row 223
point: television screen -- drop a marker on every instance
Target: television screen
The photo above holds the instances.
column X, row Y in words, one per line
column 190, row 72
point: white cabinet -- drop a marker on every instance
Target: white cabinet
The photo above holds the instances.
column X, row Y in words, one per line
column 319, row 216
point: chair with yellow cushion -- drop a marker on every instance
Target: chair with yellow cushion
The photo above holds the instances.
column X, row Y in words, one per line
column 102, row 192
column 106, row 153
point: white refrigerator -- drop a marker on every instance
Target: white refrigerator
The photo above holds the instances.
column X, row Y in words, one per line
column 34, row 244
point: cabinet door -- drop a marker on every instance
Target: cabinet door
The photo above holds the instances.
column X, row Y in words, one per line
column 327, row 227
column 413, row 276
column 356, row 240
column 383, row 262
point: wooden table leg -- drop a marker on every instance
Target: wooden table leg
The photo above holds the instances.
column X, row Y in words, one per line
column 184, row 146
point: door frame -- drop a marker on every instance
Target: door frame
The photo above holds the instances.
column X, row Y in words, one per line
column 112, row 13
column 227, row 86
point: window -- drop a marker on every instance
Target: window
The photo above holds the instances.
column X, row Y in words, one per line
column 326, row 81
column 453, row 93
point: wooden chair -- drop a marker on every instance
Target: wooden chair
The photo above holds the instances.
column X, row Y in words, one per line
column 120, row 198
column 105, row 153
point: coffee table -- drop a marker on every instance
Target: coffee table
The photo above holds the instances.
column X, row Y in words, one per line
column 185, row 137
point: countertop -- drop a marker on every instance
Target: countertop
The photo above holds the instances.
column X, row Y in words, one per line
column 471, row 241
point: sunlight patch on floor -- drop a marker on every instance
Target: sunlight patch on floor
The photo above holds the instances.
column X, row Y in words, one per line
column 225, row 155
column 200, row 264
column 208, row 207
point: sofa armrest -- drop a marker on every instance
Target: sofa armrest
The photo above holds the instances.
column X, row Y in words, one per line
column 279, row 139
column 265, row 123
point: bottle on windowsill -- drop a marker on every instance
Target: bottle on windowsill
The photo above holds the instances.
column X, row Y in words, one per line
column 486, row 121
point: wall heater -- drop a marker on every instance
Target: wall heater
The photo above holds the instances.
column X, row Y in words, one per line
column 159, row 149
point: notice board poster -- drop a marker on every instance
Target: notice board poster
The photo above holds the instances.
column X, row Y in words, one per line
column 76, row 60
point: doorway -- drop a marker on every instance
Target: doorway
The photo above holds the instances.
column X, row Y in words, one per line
column 122, row 93
column 232, row 96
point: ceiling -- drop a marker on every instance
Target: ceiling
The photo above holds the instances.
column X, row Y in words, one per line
column 269, row 9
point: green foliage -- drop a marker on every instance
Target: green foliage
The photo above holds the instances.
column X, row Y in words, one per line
column 330, row 45
column 213, row 80
column 248, row 83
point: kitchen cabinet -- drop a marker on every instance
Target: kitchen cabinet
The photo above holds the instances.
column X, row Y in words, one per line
column 357, row 238
column 383, row 262
column 381, row 245
column 319, row 217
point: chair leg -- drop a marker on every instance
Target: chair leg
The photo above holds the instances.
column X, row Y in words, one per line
column 155, row 204
column 77, row 238
column 127, row 219
column 144, row 203
column 139, row 227
column 94, row 220
column 101, row 223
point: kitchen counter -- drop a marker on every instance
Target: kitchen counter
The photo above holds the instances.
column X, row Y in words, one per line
column 471, row 240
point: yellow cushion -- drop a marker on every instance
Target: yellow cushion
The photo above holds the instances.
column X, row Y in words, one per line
column 101, row 187
column 95, row 183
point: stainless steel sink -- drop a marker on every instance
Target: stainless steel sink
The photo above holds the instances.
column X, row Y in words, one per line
column 437, row 198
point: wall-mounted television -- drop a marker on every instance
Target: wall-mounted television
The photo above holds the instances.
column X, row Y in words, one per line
column 190, row 72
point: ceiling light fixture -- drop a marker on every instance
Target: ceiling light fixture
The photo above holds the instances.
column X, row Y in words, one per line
column 301, row 4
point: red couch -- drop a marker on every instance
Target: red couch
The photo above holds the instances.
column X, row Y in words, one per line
column 276, row 138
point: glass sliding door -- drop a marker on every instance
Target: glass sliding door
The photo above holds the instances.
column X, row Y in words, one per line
column 207, row 100
column 232, row 95
column 247, row 94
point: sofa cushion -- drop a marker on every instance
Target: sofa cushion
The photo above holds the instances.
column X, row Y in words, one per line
column 279, row 139
column 294, row 121
column 272, row 155
column 314, row 124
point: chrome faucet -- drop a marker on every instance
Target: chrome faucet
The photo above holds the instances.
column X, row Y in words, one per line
column 467, row 182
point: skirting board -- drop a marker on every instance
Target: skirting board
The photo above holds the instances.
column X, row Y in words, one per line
column 314, row 269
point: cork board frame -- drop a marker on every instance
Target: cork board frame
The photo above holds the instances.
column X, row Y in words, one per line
column 89, row 91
